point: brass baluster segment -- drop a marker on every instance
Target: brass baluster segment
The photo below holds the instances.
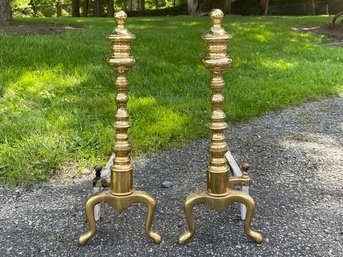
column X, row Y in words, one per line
column 219, row 195
column 121, row 61
column 121, row 194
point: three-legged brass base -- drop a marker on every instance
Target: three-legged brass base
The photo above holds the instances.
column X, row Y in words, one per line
column 120, row 203
column 220, row 203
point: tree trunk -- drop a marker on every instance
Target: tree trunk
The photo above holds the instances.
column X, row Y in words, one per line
column 227, row 6
column 59, row 8
column 192, row 7
column 311, row 7
column 75, row 8
column 224, row 5
column 333, row 22
column 129, row 5
column 264, row 7
column 97, row 8
column 142, row 5
column 85, row 8
column 198, row 7
column 5, row 12
column 110, row 10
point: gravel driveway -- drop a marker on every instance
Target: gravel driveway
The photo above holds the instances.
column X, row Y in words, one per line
column 296, row 158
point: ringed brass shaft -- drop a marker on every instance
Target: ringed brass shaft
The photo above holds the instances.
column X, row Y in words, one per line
column 219, row 195
column 121, row 194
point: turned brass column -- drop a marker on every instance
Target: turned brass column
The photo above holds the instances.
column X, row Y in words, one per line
column 121, row 194
column 219, row 195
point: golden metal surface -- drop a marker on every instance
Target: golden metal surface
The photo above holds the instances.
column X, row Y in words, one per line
column 121, row 194
column 120, row 203
column 244, row 180
column 219, row 194
column 219, row 204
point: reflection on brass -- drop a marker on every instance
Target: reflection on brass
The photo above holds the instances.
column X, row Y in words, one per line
column 219, row 194
column 244, row 180
column 121, row 194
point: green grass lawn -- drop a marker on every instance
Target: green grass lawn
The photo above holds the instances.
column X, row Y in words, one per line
column 57, row 94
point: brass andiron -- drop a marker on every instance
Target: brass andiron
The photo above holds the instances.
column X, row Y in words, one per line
column 121, row 194
column 219, row 194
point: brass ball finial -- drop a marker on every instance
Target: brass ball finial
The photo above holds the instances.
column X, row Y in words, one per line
column 217, row 16
column 120, row 17
column 245, row 167
column 245, row 170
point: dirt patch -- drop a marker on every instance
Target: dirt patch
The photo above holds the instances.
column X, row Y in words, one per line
column 335, row 33
column 20, row 28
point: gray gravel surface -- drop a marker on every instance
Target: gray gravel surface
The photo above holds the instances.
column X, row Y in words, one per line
column 296, row 158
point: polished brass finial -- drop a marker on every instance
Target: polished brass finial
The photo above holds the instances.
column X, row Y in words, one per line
column 120, row 16
column 219, row 194
column 245, row 168
column 216, row 16
column 121, row 194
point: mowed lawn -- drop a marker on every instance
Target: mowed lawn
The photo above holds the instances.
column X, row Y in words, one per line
column 57, row 93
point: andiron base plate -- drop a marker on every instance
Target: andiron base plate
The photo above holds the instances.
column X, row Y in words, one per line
column 120, row 203
column 219, row 204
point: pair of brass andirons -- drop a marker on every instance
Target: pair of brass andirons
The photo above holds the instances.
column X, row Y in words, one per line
column 219, row 194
